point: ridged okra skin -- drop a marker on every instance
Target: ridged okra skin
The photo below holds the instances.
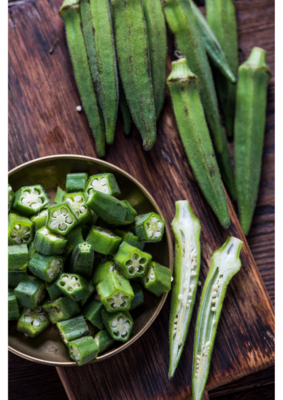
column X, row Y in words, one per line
column 102, row 270
column 78, row 205
column 70, row 13
column 72, row 329
column 15, row 277
column 53, row 291
column 104, row 183
column 130, row 238
column 74, row 237
column 18, row 257
column 124, row 109
column 30, row 292
column 157, row 279
column 149, row 227
column 48, row 243
column 186, row 228
column 103, row 240
column 108, row 208
column 75, row 182
column 59, row 195
column 82, row 260
column 138, row 300
column 103, row 341
column 225, row 263
column 73, row 286
column 180, row 18
column 11, row 196
column 92, row 312
column 90, row 290
column 13, row 308
column 20, row 229
column 47, row 268
column 83, row 350
column 119, row 324
column 100, row 48
column 131, row 213
column 221, row 17
column 61, row 218
column 134, row 66
column 254, row 76
column 39, row 220
column 184, row 89
column 60, row 309
column 32, row 322
column 29, row 200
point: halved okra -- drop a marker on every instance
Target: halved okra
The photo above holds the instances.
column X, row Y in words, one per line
column 74, row 238
column 30, row 292
column 83, row 350
column 18, row 257
column 13, row 308
column 76, row 182
column 39, row 220
column 90, row 291
column 59, row 195
column 82, row 260
column 130, row 238
column 138, row 300
column 61, row 219
column 104, row 183
column 32, row 322
column 149, row 227
column 92, row 312
column 157, row 279
column 119, row 324
column 77, row 202
column 103, row 240
column 72, row 329
column 73, row 286
column 20, row 229
column 108, row 208
column 48, row 243
column 15, row 277
column 131, row 262
column 60, row 309
column 53, row 291
column 47, row 268
column 11, row 196
column 103, row 341
column 29, row 200
column 102, row 270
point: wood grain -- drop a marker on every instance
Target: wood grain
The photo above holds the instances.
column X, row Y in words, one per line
column 43, row 121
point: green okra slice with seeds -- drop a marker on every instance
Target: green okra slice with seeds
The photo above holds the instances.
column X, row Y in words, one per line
column 103, row 240
column 119, row 324
column 115, row 292
column 134, row 66
column 61, row 309
column 138, row 300
column 102, row 270
column 225, row 263
column 61, row 219
column 77, row 203
column 11, row 196
column 72, row 329
column 30, row 292
column 70, row 13
column 108, row 208
column 13, row 308
column 254, row 76
column 32, row 322
column 74, row 238
column 130, row 238
column 59, row 195
column 92, row 312
column 157, row 279
column 15, row 277
column 90, row 290
column 29, row 200
column 39, row 220
column 103, row 341
column 186, row 228
column 149, row 227
column 20, row 229
column 47, row 268
column 73, row 286
column 83, row 350
column 18, row 257
column 124, row 108
column 104, row 183
column 53, row 291
column 48, row 243
column 184, row 89
column 82, row 260
column 76, row 182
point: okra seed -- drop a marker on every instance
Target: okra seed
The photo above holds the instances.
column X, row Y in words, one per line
column 213, row 301
column 28, row 319
column 192, row 286
column 114, row 324
column 36, row 322
column 213, row 309
column 157, row 234
column 172, row 278
column 180, row 296
column 214, row 294
column 194, row 273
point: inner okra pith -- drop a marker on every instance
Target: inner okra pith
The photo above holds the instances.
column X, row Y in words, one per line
column 29, row 200
column 61, row 219
column 49, row 243
column 149, row 227
column 119, row 324
column 72, row 285
column 20, row 229
column 32, row 322
column 47, row 268
column 77, row 203
column 104, row 183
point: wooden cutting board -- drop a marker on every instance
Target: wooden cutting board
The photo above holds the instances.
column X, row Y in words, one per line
column 43, row 120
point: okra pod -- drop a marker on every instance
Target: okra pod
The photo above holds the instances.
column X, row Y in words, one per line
column 72, row 329
column 103, row 341
column 124, row 108
column 119, row 324
column 254, row 76
column 60, row 309
column 157, row 279
column 75, row 182
column 18, row 257
column 102, row 270
column 138, row 300
column 30, row 292
column 32, row 322
column 184, row 89
column 74, row 238
column 14, row 278
column 13, row 308
column 47, row 268
column 29, row 200
column 78, row 205
column 20, row 229
column 83, row 350
column 39, row 220
column 104, row 183
column 108, row 208
column 225, row 263
column 48, row 243
column 92, row 312
column 82, row 260
column 149, row 227
column 103, row 240
column 61, row 219
column 89, row 291
column 130, row 238
column 53, row 291
column 11, row 196
column 73, row 286
column 59, row 195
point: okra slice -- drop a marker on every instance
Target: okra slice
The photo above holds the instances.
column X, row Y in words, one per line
column 102, row 258
column 83, row 350
column 53, row 291
column 29, row 200
column 20, row 229
column 131, row 262
column 47, row 268
column 138, row 300
column 93, row 218
column 103, row 240
column 31, row 251
column 149, row 227
column 11, row 196
column 77, row 203
column 30, row 292
column 76, row 182
column 72, row 329
column 48, row 243
column 73, row 286
column 61, row 219
column 90, row 291
column 74, row 238
column 59, row 195
column 131, row 213
column 18, row 257
column 130, row 238
column 225, row 263
column 104, row 183
column 13, row 308
column 102, row 270
column 103, row 341
column 119, row 324
column 157, row 279
column 60, row 309
column 14, row 278
column 82, row 260
column 107, row 207
column 32, row 322
column 92, row 312
column 39, row 220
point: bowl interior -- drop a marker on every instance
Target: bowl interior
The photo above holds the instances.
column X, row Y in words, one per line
column 51, row 172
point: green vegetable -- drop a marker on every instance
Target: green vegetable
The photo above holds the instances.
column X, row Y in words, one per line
column 82, row 260
column 124, row 108
column 53, row 291
column 59, row 195
column 30, row 292
column 138, row 300
column 104, row 183
column 18, row 257
column 13, row 308
column 14, row 278
column 60, row 309
column 39, row 220
column 72, row 329
column 90, row 290
column 47, row 268
column 83, row 350
column 108, row 208
column 102, row 270
column 74, row 238
column 76, row 182
column 48, row 243
column 103, row 240
column 149, row 227
column 78, row 205
column 119, row 324
column 61, row 219
column 73, row 286
column 130, row 238
column 157, row 279
column 131, row 213
column 92, row 312
column 29, row 200
column 32, row 322
column 103, row 341
column 11, row 196
column 20, row 229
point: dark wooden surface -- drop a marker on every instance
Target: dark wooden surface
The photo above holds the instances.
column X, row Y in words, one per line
column 43, row 121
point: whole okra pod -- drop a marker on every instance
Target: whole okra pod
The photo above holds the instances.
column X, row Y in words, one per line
column 184, row 90
column 254, row 75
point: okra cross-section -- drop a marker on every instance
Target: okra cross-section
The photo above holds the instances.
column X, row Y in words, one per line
column 104, row 183
column 32, row 322
column 48, row 243
column 76, row 182
column 149, row 227
column 47, row 268
column 60, row 309
column 72, row 285
column 11, row 196
column 13, row 308
column 77, row 203
column 82, row 260
column 61, row 219
column 131, row 262
column 20, row 229
column 157, row 279
column 102, row 270
column 103, row 341
column 18, row 257
column 39, row 220
column 225, row 263
column 29, row 200
column 72, row 329
column 119, row 324
column 92, row 312
column 103, row 240
column 83, row 350
column 30, row 292
column 108, row 208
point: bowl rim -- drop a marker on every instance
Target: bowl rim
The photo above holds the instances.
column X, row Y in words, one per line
column 170, row 248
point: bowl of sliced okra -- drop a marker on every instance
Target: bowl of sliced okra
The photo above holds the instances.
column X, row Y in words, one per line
column 90, row 260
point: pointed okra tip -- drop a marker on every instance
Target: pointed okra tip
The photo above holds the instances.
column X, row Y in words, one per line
column 181, row 71
column 68, row 4
column 257, row 58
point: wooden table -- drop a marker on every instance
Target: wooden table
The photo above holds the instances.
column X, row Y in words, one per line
column 31, row 381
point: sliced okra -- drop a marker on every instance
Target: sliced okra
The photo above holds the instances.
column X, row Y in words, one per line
column 60, row 309
column 48, row 243
column 61, row 219
column 11, row 197
column 108, row 208
column 53, row 291
column 131, row 213
column 92, row 312
column 72, row 329
column 131, row 262
column 20, row 229
column 59, row 195
column 82, row 260
column 13, row 308
column 32, row 322
column 100, row 258
column 103, row 240
column 76, row 182
column 90, row 291
column 15, row 277
column 47, row 268
column 39, row 220
column 93, row 218
column 30, row 292
column 18, row 257
column 157, row 279
column 104, row 183
column 149, row 227
column 138, row 300
column 130, row 238
column 85, row 231
column 72, row 285
column 29, row 200
column 124, row 109
column 102, row 270
column 119, row 324
column 31, row 251
column 225, row 263
column 83, row 350
column 103, row 341
column 74, row 238
column 77, row 202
